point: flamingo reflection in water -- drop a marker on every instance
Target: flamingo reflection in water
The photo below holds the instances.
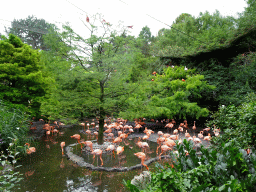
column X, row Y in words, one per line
column 29, row 173
column 62, row 164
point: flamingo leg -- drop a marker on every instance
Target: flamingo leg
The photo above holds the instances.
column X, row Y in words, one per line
column 142, row 162
column 157, row 149
column 78, row 140
column 101, row 160
column 113, row 154
column 93, row 159
column 160, row 155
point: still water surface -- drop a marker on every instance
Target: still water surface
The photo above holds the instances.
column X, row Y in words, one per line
column 47, row 170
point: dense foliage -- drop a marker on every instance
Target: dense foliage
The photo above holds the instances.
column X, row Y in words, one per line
column 13, row 135
column 189, row 35
column 238, row 123
column 110, row 73
column 175, row 93
column 104, row 61
column 233, row 79
column 21, row 79
column 8, row 177
column 230, row 169
column 13, row 126
column 66, row 100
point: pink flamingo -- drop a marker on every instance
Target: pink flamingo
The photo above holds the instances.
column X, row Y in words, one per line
column 77, row 137
column 62, row 145
column 30, row 150
column 117, row 140
column 97, row 152
column 111, row 148
column 88, row 144
column 142, row 156
column 89, row 133
column 119, row 150
column 82, row 124
column 159, row 141
column 200, row 135
column 164, row 149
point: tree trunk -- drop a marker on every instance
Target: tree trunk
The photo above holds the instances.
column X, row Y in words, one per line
column 101, row 126
column 102, row 115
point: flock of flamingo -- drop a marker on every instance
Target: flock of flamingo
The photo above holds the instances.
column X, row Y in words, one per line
column 165, row 141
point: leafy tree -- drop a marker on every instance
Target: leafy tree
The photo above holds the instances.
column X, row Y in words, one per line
column 145, row 40
column 182, row 18
column 145, row 34
column 30, row 31
column 174, row 93
column 21, row 81
column 176, row 37
column 189, row 35
column 213, row 31
column 106, row 62
column 66, row 99
column 246, row 20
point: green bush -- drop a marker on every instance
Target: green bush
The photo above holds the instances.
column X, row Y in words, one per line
column 238, row 123
column 175, row 93
column 230, row 169
column 8, row 177
column 13, row 126
column 13, row 129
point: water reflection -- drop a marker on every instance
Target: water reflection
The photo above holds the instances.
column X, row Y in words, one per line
column 50, row 171
column 124, row 159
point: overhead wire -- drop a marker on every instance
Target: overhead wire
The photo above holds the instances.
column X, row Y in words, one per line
column 44, row 32
column 168, row 25
column 77, row 7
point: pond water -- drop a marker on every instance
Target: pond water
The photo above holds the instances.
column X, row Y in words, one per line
column 48, row 170
column 125, row 159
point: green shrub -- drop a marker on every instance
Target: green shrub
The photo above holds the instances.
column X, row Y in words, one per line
column 175, row 93
column 229, row 169
column 13, row 125
column 238, row 123
column 8, row 177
